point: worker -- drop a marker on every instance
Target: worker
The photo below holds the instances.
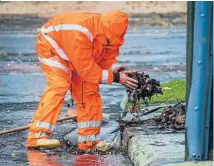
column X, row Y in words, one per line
column 77, row 51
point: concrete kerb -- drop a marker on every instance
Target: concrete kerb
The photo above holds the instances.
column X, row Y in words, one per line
column 159, row 148
column 153, row 148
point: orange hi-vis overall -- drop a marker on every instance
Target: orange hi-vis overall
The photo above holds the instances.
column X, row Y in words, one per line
column 77, row 51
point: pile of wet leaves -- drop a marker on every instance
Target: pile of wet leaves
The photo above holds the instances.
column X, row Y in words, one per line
column 172, row 117
column 146, row 88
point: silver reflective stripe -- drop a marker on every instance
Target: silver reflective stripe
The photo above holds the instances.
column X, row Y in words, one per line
column 104, row 76
column 68, row 27
column 55, row 45
column 114, row 66
column 54, row 63
column 63, row 27
column 89, row 138
column 39, row 134
column 45, row 125
column 88, row 124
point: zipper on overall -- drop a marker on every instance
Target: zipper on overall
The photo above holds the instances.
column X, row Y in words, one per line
column 82, row 95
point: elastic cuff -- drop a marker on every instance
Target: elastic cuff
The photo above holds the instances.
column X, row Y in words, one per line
column 116, row 77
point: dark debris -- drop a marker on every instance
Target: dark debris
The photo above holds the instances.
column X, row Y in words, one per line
column 173, row 117
column 71, row 148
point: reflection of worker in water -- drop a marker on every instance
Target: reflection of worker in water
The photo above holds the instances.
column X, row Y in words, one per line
column 37, row 158
column 77, row 52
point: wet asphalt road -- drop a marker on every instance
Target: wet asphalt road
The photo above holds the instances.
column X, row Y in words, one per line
column 160, row 51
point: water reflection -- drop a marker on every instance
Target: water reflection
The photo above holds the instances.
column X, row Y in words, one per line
column 37, row 158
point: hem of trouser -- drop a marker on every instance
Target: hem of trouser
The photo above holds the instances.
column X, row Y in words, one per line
column 41, row 126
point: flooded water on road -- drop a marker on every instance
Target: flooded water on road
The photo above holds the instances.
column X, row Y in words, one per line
column 159, row 51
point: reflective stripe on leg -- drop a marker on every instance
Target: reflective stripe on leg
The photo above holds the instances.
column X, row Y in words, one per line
column 89, row 124
column 84, row 139
column 45, row 125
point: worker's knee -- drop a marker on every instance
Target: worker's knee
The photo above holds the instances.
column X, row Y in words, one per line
column 54, row 94
column 57, row 93
column 58, row 84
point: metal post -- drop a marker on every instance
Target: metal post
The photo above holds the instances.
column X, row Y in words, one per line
column 189, row 50
column 211, row 108
column 198, row 108
column 189, row 55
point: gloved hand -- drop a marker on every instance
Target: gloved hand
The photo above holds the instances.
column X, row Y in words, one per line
column 126, row 80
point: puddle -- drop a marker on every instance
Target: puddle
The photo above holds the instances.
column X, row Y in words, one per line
column 40, row 159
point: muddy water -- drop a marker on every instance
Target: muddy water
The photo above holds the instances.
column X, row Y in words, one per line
column 159, row 51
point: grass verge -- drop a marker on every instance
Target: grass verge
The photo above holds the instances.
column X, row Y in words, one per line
column 173, row 91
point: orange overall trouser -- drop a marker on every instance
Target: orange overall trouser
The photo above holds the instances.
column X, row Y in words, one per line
column 86, row 43
column 88, row 101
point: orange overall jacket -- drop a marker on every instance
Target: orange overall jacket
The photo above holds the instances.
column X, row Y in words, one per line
column 78, row 51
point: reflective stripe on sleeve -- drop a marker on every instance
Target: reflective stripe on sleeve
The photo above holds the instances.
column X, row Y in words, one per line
column 114, row 66
column 45, row 125
column 54, row 63
column 88, row 124
column 89, row 138
column 104, row 76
